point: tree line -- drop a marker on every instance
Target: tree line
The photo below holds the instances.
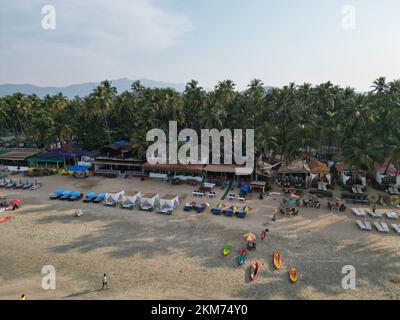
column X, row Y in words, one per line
column 290, row 122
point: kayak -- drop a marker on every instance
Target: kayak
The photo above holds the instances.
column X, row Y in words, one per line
column 227, row 249
column 241, row 257
column 293, row 275
column 254, row 269
column 276, row 256
column 5, row 219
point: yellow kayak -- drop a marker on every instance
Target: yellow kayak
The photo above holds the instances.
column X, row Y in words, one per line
column 293, row 275
column 227, row 249
column 277, row 259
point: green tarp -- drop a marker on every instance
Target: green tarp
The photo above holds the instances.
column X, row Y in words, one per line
column 52, row 160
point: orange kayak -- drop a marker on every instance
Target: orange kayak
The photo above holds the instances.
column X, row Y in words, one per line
column 5, row 219
column 293, row 275
column 254, row 269
column 276, row 256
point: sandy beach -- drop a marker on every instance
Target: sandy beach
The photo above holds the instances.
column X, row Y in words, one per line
column 152, row 256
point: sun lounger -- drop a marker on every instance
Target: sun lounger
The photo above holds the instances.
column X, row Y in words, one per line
column 241, row 198
column 367, row 225
column 27, row 185
column 358, row 212
column 166, row 211
column 354, row 190
column 385, row 227
column 89, row 197
column 36, row 185
column 19, row 185
column 56, row 194
column 99, row 198
column 75, row 195
column 359, row 189
column 66, row 194
column 396, row 228
column 216, row 211
column 110, row 203
column 3, row 183
column 10, row 185
column 374, row 214
column 231, row 196
column 361, row 225
column 391, row 215
column 229, row 212
column 378, row 227
column 211, row 194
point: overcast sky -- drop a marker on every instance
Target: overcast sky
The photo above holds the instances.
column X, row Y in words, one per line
column 278, row 41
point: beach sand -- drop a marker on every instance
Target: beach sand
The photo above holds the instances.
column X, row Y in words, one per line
column 152, row 256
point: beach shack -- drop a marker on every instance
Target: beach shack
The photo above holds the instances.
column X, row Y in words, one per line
column 349, row 177
column 386, row 175
column 66, row 156
column 16, row 159
column 221, row 173
column 319, row 173
column 294, row 174
column 117, row 159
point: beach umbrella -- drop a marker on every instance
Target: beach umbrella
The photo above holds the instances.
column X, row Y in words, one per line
column 16, row 201
column 394, row 200
column 249, row 237
column 373, row 197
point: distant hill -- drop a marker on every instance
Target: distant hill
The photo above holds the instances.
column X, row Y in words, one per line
column 83, row 89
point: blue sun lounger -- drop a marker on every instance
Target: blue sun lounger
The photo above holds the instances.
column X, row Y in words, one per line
column 89, row 197
column 3, row 183
column 66, row 194
column 11, row 184
column 75, row 195
column 56, row 194
column 27, row 185
column 19, row 184
column 100, row 197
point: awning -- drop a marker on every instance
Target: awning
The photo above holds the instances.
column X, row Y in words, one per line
column 228, row 168
column 17, row 155
column 185, row 168
column 50, row 160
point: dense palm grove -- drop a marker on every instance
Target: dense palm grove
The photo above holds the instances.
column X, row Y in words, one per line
column 289, row 122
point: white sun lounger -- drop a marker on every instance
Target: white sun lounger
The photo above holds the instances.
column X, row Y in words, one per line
column 367, row 225
column 396, row 227
column 374, row 214
column 378, row 227
column 385, row 227
column 391, row 215
column 358, row 212
column 361, row 225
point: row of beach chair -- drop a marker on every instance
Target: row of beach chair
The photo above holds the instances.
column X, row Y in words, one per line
column 363, row 213
column 394, row 190
column 27, row 185
column 381, row 227
column 61, row 194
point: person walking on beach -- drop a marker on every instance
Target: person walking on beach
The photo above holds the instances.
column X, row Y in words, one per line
column 273, row 217
column 105, row 283
column 374, row 208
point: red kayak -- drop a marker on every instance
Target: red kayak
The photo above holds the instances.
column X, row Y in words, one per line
column 254, row 269
column 5, row 219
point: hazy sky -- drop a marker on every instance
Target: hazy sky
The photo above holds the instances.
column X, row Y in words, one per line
column 278, row 41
